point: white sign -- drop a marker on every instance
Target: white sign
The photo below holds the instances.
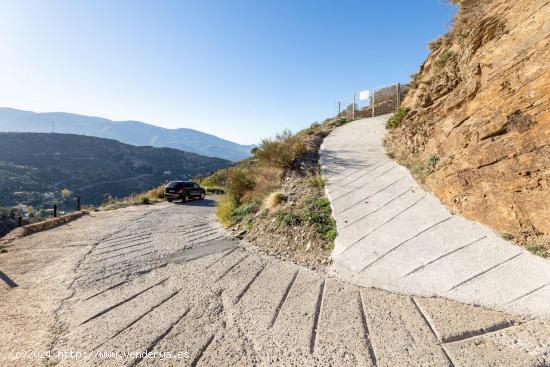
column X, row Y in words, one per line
column 364, row 95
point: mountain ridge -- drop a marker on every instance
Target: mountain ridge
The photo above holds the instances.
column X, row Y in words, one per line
column 36, row 167
column 131, row 132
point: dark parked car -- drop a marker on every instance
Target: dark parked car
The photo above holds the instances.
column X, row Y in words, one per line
column 184, row 190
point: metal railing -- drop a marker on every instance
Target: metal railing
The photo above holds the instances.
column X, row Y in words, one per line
column 381, row 101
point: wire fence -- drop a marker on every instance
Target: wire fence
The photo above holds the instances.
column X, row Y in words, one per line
column 379, row 101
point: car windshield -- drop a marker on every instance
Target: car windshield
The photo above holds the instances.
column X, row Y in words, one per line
column 187, row 184
column 172, row 184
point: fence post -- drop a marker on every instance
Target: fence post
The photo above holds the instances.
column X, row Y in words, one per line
column 54, row 210
column 353, row 108
column 399, row 95
column 19, row 221
column 373, row 94
column 78, row 203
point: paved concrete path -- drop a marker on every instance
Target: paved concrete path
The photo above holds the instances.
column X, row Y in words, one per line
column 162, row 278
column 394, row 235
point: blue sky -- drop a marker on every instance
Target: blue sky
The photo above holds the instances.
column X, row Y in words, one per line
column 240, row 69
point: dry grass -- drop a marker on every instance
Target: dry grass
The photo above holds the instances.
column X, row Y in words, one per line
column 274, row 199
column 266, row 180
column 282, row 151
column 264, row 195
column 152, row 196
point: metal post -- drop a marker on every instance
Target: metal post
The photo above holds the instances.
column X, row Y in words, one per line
column 353, row 108
column 373, row 91
column 398, row 95
column 339, row 109
column 78, row 203
column 54, row 210
column 19, row 221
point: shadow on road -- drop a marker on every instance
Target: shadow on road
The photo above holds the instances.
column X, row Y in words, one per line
column 205, row 202
column 8, row 280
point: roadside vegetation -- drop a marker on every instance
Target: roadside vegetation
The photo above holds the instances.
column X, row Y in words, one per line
column 152, row 196
column 276, row 197
column 397, row 118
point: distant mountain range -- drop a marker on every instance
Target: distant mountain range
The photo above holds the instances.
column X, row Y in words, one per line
column 129, row 132
column 35, row 167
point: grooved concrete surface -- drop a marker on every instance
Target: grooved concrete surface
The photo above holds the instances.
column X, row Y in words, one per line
column 162, row 279
column 395, row 236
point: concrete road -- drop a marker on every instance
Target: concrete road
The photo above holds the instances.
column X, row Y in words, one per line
column 394, row 235
column 103, row 289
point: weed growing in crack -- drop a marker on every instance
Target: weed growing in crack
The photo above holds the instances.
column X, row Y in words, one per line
column 432, row 161
column 537, row 250
column 444, row 57
column 397, row 118
column 507, row 236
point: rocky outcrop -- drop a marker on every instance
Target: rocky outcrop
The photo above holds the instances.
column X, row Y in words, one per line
column 478, row 129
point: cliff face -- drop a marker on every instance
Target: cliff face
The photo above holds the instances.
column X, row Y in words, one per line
column 478, row 128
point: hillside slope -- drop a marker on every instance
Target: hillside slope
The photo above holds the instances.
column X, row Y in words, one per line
column 478, row 128
column 129, row 132
column 35, row 167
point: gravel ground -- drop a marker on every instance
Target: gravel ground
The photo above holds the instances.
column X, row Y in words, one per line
column 103, row 289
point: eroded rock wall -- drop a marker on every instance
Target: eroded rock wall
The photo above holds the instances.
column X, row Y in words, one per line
column 478, row 130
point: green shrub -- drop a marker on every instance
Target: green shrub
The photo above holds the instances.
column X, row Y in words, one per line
column 317, row 181
column 397, row 118
column 225, row 207
column 8, row 220
column 241, row 212
column 435, row 44
column 432, row 161
column 537, row 250
column 288, row 218
column 507, row 236
column 145, row 200
column 444, row 57
column 282, row 151
column 238, row 183
column 319, row 214
column 331, row 234
column 217, row 179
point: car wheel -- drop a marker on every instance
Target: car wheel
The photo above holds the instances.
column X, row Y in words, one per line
column 201, row 196
column 170, row 200
column 185, row 199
